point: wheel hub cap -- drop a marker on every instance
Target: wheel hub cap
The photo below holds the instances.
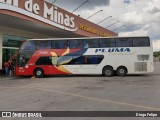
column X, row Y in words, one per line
column 39, row 73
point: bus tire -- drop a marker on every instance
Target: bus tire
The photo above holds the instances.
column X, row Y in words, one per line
column 108, row 71
column 38, row 72
column 121, row 71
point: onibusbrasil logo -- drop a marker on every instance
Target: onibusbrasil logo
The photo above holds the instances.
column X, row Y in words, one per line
column 21, row 115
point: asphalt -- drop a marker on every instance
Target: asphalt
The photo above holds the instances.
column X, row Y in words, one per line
column 81, row 93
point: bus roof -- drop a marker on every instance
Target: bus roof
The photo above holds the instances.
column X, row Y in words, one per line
column 88, row 38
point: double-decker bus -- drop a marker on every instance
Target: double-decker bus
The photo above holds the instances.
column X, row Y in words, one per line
column 106, row 56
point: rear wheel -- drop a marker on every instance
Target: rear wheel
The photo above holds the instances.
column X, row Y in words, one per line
column 108, row 71
column 39, row 73
column 121, row 71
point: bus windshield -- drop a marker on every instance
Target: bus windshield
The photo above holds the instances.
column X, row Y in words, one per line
column 29, row 45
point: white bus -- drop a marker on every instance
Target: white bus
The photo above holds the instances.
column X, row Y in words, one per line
column 98, row 56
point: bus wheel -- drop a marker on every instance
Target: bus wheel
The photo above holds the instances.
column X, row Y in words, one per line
column 38, row 73
column 108, row 71
column 121, row 71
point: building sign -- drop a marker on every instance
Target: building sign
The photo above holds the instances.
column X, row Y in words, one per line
column 52, row 15
column 93, row 30
column 42, row 11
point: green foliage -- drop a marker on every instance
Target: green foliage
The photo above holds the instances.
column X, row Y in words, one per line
column 157, row 54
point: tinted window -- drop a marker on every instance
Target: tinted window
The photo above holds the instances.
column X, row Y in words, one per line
column 107, row 43
column 24, row 57
column 43, row 44
column 22, row 60
column 30, row 45
column 75, row 44
column 141, row 42
column 124, row 42
column 91, row 43
column 60, row 44
column 44, row 61
column 13, row 41
column 94, row 59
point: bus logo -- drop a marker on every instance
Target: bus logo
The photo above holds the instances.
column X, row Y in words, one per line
column 111, row 50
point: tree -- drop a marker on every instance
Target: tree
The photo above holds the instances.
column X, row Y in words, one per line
column 156, row 54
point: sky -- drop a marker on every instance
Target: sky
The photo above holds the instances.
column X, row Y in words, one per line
column 140, row 17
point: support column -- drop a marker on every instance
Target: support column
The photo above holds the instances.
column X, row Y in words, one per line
column 1, row 40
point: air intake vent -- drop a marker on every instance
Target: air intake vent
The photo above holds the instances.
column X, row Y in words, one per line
column 141, row 66
column 143, row 57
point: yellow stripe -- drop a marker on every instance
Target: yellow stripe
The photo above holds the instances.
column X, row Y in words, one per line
column 53, row 54
column 66, row 52
column 102, row 100
column 65, row 61
column 61, row 68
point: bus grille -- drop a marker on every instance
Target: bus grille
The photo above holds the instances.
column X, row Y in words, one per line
column 141, row 66
column 143, row 57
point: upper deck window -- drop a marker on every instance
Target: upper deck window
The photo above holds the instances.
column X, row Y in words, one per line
column 107, row 42
column 29, row 45
column 91, row 43
column 59, row 44
column 43, row 44
column 124, row 42
column 141, row 42
column 75, row 44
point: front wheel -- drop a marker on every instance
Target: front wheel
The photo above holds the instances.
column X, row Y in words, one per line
column 39, row 73
column 121, row 71
column 108, row 71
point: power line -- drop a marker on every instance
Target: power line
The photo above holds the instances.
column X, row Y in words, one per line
column 119, row 27
column 104, row 20
column 94, row 14
column 54, row 1
column 112, row 24
column 80, row 6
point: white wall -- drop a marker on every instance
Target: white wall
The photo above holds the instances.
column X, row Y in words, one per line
column 17, row 32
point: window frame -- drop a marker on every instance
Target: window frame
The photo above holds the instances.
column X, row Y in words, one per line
column 85, row 42
column 48, row 57
column 122, row 39
column 102, row 56
column 107, row 39
column 69, row 42
column 66, row 44
column 34, row 43
column 49, row 43
column 146, row 38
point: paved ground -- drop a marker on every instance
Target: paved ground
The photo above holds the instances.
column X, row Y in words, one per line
column 81, row 93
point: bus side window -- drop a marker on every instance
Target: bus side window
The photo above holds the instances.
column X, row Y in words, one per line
column 43, row 44
column 44, row 61
column 77, row 60
column 59, row 44
column 85, row 44
column 123, row 42
column 94, row 43
column 91, row 43
column 107, row 42
column 75, row 44
column 86, row 60
column 141, row 42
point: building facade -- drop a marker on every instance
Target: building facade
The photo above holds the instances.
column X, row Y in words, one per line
column 28, row 19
